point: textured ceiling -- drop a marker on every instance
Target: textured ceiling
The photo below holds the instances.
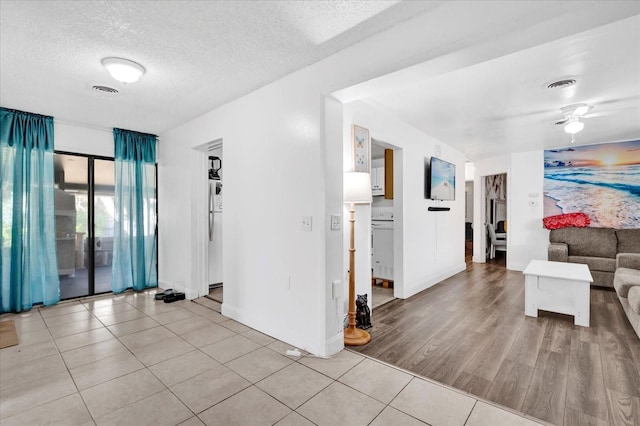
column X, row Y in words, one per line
column 198, row 54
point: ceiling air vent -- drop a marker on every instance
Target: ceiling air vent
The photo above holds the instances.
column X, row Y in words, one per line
column 105, row 89
column 561, row 84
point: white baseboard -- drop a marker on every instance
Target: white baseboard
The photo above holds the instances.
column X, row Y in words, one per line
column 334, row 345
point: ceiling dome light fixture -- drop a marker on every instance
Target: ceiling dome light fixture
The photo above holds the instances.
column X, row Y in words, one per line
column 123, row 70
column 574, row 126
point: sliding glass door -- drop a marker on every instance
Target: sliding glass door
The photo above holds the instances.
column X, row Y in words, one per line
column 103, row 217
column 84, row 192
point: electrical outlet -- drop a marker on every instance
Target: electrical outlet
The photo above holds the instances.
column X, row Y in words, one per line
column 306, row 223
column 336, row 289
column 336, row 222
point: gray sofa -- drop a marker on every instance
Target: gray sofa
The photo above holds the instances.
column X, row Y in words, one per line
column 595, row 247
column 627, row 285
column 613, row 257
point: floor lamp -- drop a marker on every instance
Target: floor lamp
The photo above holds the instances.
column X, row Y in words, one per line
column 357, row 190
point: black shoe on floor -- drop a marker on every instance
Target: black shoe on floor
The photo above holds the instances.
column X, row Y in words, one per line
column 173, row 297
column 161, row 296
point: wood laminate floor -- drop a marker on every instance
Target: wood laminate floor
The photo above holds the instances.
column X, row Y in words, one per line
column 470, row 332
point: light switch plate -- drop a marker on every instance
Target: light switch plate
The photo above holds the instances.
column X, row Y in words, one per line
column 336, row 222
column 306, row 224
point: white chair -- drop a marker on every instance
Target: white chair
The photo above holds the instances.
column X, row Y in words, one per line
column 496, row 244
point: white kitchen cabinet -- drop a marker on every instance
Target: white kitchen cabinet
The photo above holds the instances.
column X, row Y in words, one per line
column 382, row 251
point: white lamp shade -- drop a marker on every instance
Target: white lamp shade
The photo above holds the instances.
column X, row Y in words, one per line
column 357, row 188
column 123, row 70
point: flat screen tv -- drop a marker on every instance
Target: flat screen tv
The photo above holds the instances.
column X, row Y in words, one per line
column 441, row 180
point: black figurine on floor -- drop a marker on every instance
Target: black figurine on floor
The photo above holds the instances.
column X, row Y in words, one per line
column 363, row 313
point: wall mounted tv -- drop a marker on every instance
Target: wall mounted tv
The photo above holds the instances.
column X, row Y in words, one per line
column 440, row 182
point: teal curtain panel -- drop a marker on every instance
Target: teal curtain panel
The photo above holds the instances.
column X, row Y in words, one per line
column 135, row 234
column 29, row 266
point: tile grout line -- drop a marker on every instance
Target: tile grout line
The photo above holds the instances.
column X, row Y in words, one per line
column 470, row 412
column 65, row 365
column 195, row 349
column 458, row 391
column 72, row 378
column 146, row 367
column 69, row 373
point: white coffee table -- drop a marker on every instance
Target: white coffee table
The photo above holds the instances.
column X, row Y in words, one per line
column 557, row 287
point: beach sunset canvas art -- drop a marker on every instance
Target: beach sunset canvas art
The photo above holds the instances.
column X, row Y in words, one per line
column 601, row 180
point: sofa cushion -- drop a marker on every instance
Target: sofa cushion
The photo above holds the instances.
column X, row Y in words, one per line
column 628, row 260
column 599, row 242
column 628, row 240
column 595, row 263
column 634, row 299
column 558, row 252
column 626, row 278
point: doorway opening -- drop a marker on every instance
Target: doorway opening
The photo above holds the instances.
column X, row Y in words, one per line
column 208, row 203
column 496, row 225
column 383, row 259
column 468, row 221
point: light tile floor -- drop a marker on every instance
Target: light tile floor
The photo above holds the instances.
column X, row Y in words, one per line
column 130, row 359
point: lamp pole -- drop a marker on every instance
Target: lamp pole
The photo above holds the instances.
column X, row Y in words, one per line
column 353, row 336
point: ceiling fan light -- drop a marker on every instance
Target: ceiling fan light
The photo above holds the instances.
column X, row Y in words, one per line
column 574, row 126
column 123, row 70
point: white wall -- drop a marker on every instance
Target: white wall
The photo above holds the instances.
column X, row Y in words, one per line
column 274, row 272
column 469, row 171
column 431, row 243
column 527, row 239
column 468, row 213
column 83, row 140
column 334, row 260
column 530, row 239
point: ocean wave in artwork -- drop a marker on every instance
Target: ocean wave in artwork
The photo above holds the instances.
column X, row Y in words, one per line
column 610, row 195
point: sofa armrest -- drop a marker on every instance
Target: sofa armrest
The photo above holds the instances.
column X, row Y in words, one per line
column 628, row 260
column 558, row 252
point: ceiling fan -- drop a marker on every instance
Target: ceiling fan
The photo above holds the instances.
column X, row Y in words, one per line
column 572, row 115
column 573, row 112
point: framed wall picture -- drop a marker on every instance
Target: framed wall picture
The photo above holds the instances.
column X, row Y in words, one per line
column 360, row 148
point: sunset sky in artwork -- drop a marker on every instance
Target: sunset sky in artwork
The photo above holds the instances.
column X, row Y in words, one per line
column 607, row 154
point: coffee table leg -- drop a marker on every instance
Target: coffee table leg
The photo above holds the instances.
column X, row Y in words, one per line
column 581, row 298
column 530, row 296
